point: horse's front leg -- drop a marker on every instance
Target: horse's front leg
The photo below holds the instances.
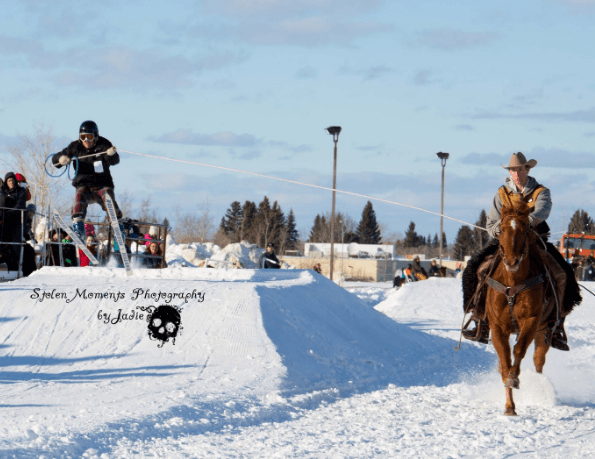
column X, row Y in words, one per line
column 524, row 340
column 541, row 349
column 510, row 406
column 500, row 340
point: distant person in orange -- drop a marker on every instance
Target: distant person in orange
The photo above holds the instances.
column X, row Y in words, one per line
column 317, row 268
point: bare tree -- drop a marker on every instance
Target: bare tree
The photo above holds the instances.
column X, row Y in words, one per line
column 28, row 157
column 197, row 226
column 148, row 213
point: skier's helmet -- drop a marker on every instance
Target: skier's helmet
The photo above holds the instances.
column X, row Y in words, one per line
column 89, row 132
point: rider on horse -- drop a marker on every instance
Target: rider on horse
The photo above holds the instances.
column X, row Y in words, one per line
column 518, row 187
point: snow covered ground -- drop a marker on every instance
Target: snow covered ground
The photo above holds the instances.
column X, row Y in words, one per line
column 279, row 363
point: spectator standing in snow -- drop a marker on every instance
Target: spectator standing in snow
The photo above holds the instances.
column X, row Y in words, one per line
column 93, row 181
column 14, row 197
column 317, row 268
column 269, row 258
column 22, row 182
column 69, row 252
column 92, row 246
column 52, row 250
column 151, row 234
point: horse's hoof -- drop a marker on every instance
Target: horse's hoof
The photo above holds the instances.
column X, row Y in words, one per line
column 512, row 383
column 510, row 412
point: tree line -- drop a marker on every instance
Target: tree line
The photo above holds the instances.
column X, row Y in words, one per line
column 260, row 225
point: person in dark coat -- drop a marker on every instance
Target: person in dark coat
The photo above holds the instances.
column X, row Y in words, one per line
column 12, row 196
column 269, row 258
column 434, row 271
column 93, row 181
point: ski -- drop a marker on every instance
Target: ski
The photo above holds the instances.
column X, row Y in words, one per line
column 111, row 210
column 75, row 238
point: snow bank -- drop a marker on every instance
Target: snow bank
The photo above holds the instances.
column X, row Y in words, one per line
column 281, row 358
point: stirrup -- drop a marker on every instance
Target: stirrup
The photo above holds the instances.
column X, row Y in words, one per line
column 481, row 333
column 558, row 339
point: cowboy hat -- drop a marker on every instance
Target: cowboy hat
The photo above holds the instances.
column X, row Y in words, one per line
column 517, row 160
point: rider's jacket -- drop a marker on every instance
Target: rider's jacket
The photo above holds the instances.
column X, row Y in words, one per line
column 536, row 196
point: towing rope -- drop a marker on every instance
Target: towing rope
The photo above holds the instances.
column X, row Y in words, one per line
column 350, row 193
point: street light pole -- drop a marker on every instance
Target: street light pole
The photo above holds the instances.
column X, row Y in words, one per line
column 443, row 157
column 334, row 131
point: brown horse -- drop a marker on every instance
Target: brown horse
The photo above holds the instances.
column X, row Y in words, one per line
column 516, row 302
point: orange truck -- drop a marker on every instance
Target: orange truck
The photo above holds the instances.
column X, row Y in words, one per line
column 574, row 245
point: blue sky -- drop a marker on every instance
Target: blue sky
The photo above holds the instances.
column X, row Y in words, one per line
column 252, row 85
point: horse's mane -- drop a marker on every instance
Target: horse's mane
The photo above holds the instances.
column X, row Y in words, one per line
column 518, row 209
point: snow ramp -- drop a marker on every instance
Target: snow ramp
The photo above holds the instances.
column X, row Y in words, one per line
column 75, row 350
column 290, row 328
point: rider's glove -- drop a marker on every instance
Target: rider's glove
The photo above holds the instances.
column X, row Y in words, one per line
column 64, row 160
column 111, row 151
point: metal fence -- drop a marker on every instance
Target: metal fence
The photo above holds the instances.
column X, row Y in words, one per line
column 12, row 233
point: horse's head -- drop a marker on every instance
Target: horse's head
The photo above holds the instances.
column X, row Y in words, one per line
column 515, row 234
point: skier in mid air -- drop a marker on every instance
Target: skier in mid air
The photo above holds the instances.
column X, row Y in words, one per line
column 93, row 180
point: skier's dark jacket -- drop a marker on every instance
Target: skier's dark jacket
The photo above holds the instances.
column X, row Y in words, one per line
column 86, row 175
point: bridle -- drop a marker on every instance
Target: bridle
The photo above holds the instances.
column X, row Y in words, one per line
column 508, row 267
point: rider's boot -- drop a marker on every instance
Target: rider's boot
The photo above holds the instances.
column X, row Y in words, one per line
column 559, row 338
column 481, row 332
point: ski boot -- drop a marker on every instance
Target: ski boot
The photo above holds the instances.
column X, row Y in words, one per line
column 78, row 225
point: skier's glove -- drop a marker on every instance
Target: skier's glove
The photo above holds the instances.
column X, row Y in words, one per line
column 111, row 151
column 64, row 160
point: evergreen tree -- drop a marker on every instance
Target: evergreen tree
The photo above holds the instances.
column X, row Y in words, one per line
column 480, row 236
column 436, row 241
column 167, row 225
column 318, row 229
column 464, row 243
column 581, row 223
column 249, row 231
column 231, row 223
column 411, row 236
column 264, row 218
column 291, row 234
column 277, row 228
column 368, row 230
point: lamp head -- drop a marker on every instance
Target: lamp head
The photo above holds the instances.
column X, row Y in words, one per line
column 333, row 130
column 442, row 155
